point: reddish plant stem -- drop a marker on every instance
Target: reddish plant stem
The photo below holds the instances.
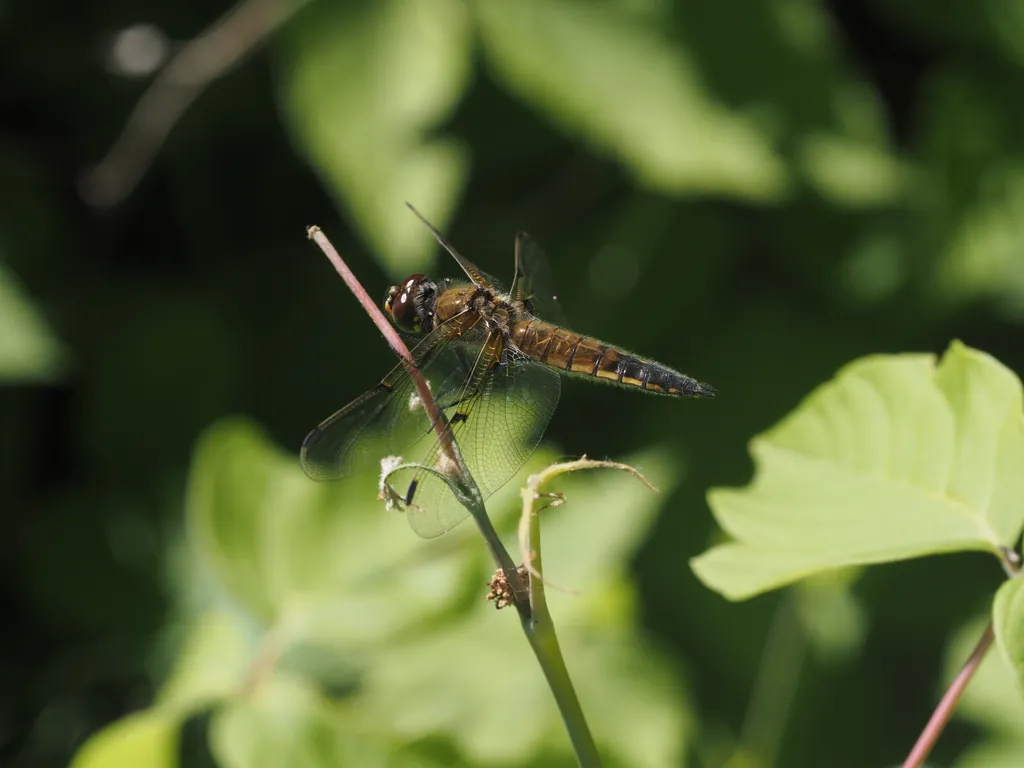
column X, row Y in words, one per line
column 437, row 419
column 937, row 722
column 391, row 335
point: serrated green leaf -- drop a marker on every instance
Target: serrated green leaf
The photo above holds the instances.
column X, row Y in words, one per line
column 211, row 665
column 1008, row 621
column 28, row 349
column 363, row 86
column 895, row 458
column 602, row 73
column 147, row 738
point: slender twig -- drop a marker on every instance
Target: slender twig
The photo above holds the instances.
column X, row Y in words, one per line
column 937, row 722
column 474, row 501
column 203, row 59
column 540, row 629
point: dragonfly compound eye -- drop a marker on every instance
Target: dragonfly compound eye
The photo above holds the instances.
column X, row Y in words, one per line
column 410, row 303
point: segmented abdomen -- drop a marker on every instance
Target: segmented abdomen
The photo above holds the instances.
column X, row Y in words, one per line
column 586, row 356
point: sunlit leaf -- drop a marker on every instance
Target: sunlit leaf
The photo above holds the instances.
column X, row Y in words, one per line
column 852, row 172
column 897, row 457
column 1008, row 620
column 998, row 753
column 210, row 666
column 325, row 559
column 363, row 86
column 286, row 723
column 28, row 349
column 146, row 738
column 620, row 84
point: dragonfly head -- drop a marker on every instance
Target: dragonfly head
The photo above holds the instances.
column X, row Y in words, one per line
column 411, row 303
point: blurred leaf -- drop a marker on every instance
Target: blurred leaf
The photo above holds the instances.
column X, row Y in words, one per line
column 602, row 73
column 992, row 700
column 28, row 349
column 288, row 724
column 1008, row 620
column 852, row 172
column 972, row 191
column 323, row 559
column 494, row 703
column 210, row 666
column 364, row 83
column 143, row 739
column 832, row 615
column 1002, row 753
column 894, row 458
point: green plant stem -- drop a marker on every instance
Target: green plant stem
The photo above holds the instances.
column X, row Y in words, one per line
column 539, row 628
column 540, row 631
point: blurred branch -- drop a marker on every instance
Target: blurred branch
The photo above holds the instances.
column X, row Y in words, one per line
column 937, row 722
column 775, row 686
column 203, row 59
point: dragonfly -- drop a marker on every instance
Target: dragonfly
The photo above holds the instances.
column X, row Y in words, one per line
column 493, row 359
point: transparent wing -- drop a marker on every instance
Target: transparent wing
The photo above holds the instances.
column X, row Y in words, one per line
column 533, row 280
column 389, row 418
column 480, row 279
column 497, row 423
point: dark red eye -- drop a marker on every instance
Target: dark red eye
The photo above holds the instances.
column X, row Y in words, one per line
column 407, row 303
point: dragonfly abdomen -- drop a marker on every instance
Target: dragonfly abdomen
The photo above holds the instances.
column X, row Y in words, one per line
column 586, row 356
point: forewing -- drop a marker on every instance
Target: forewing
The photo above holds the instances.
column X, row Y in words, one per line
column 480, row 279
column 533, row 280
column 497, row 427
column 390, row 417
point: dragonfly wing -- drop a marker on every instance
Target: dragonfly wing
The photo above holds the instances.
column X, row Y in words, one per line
column 390, row 417
column 480, row 280
column 497, row 426
column 533, row 280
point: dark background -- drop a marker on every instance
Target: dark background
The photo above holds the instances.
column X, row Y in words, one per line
column 197, row 296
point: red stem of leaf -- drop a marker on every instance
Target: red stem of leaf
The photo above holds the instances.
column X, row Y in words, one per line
column 937, row 722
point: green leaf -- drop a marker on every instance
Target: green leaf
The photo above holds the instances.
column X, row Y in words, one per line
column 314, row 559
column 288, row 724
column 619, row 83
column 363, row 85
column 852, row 172
column 494, row 703
column 28, row 349
column 895, row 458
column 210, row 667
column 1001, row 753
column 1008, row 621
column 147, row 738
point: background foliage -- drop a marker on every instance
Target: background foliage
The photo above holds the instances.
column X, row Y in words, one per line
column 755, row 197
